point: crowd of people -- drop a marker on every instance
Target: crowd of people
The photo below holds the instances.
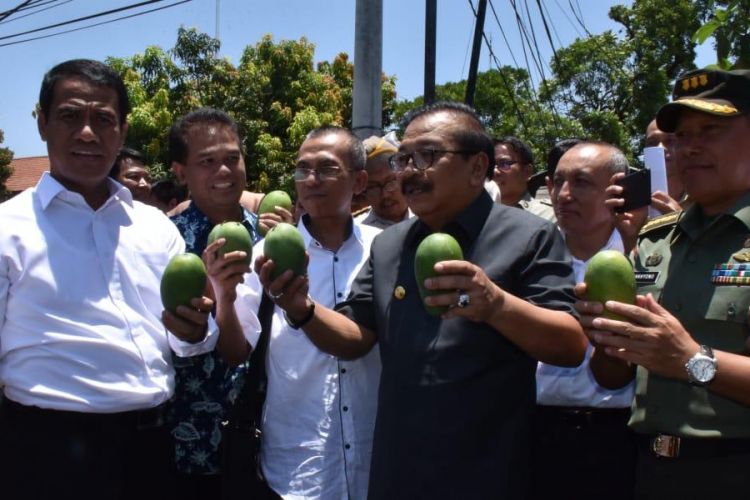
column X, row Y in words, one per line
column 521, row 389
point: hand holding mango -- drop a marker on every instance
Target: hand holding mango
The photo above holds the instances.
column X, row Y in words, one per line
column 609, row 276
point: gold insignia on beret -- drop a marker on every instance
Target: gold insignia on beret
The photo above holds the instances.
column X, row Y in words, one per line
column 742, row 256
column 399, row 292
column 654, row 259
column 711, row 107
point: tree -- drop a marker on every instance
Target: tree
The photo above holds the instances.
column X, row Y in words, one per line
column 275, row 94
column 729, row 24
column 659, row 33
column 6, row 156
column 507, row 105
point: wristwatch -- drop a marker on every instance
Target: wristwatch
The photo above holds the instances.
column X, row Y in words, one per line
column 701, row 368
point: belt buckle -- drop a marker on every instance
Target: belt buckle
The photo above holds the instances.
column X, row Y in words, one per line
column 665, row 446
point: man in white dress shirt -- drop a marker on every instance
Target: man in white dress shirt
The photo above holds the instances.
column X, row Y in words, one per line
column 319, row 413
column 85, row 359
column 583, row 448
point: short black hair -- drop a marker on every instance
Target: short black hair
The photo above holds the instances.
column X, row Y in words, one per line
column 167, row 190
column 355, row 148
column 559, row 149
column 517, row 146
column 126, row 152
column 178, row 145
column 95, row 72
column 472, row 138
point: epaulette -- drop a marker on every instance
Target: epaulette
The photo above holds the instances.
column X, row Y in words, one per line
column 361, row 211
column 669, row 219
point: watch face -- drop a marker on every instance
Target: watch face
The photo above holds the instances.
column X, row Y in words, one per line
column 703, row 369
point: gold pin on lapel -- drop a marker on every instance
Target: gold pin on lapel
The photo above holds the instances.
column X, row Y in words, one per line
column 399, row 292
column 742, row 256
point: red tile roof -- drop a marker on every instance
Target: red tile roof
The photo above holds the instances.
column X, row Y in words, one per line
column 26, row 172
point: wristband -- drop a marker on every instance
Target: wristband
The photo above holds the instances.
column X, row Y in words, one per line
column 299, row 324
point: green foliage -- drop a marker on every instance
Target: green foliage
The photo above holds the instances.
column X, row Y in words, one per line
column 729, row 24
column 275, row 94
column 6, row 156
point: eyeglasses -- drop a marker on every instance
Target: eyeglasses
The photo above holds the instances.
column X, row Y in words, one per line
column 325, row 173
column 422, row 159
column 505, row 164
column 375, row 190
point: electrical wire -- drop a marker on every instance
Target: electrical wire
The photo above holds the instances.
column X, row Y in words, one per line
column 96, row 24
column 17, row 8
column 507, row 86
column 54, row 2
column 84, row 18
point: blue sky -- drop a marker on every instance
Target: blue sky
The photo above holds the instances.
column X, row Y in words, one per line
column 329, row 24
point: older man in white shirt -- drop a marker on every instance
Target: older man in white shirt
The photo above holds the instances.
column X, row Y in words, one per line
column 84, row 356
column 319, row 413
column 583, row 448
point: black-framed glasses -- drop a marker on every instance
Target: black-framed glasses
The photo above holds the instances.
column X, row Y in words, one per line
column 422, row 159
column 324, row 173
column 374, row 190
column 505, row 164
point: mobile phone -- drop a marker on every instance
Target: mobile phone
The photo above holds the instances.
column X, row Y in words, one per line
column 636, row 190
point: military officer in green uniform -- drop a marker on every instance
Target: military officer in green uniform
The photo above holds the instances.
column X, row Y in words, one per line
column 686, row 339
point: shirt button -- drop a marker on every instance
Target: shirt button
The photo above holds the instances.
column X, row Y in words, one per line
column 343, row 370
column 345, row 408
column 335, row 259
column 347, row 446
column 339, row 294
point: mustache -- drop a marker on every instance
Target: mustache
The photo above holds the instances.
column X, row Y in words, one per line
column 413, row 183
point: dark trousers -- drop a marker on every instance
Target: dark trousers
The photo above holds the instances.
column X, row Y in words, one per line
column 706, row 468
column 583, row 453
column 69, row 455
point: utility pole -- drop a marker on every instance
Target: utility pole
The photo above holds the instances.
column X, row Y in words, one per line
column 429, row 50
column 367, row 98
column 471, row 82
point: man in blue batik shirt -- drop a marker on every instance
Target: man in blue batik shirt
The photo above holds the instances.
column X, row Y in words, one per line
column 205, row 153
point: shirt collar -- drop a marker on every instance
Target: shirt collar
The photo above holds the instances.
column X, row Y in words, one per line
column 48, row 188
column 354, row 230
column 694, row 220
column 466, row 227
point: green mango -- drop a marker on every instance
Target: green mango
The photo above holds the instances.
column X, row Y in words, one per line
column 435, row 248
column 273, row 199
column 184, row 279
column 286, row 248
column 609, row 276
column 237, row 238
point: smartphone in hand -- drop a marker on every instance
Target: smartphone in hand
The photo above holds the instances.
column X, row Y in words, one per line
column 636, row 190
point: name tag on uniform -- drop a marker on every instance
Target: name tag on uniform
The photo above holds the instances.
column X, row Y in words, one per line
column 647, row 278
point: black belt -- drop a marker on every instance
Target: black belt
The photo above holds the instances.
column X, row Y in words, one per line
column 583, row 415
column 149, row 418
column 671, row 447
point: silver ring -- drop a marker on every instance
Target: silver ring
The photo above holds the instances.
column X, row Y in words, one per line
column 463, row 299
column 277, row 296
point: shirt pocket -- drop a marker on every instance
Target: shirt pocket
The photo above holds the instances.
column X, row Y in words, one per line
column 729, row 303
column 148, row 271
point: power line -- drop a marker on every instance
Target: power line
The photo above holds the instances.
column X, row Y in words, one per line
column 54, row 2
column 95, row 24
column 554, row 28
column 507, row 86
column 565, row 13
column 84, row 18
column 8, row 13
